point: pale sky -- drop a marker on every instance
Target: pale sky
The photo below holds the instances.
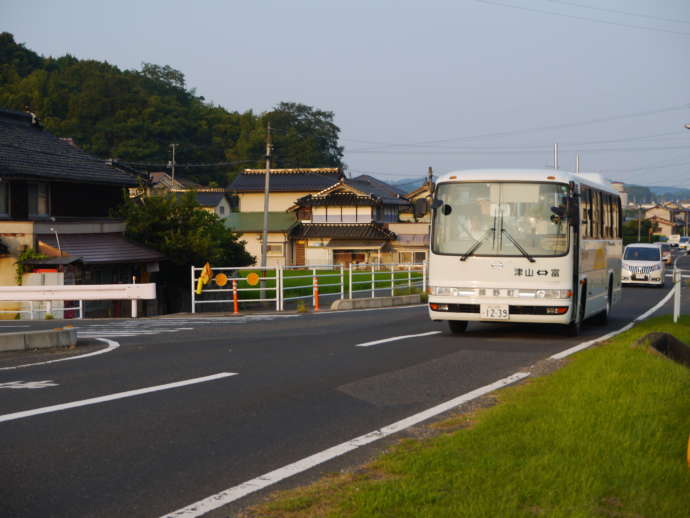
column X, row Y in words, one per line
column 448, row 84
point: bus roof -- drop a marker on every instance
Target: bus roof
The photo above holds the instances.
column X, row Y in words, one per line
column 529, row 175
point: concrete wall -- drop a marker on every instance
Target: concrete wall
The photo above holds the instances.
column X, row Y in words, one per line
column 318, row 255
column 253, row 246
column 277, row 201
column 409, row 228
column 225, row 204
column 16, row 235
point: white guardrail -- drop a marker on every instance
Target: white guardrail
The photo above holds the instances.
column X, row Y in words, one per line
column 76, row 294
column 678, row 276
column 231, row 286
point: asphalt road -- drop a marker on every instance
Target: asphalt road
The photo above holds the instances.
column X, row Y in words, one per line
column 294, row 385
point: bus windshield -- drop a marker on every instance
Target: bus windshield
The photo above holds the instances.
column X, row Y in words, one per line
column 501, row 219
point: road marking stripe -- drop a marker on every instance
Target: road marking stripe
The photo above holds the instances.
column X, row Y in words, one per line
column 589, row 343
column 235, row 493
column 395, row 338
column 111, row 397
column 112, row 345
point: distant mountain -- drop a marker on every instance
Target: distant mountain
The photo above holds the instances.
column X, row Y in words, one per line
column 670, row 192
column 408, row 185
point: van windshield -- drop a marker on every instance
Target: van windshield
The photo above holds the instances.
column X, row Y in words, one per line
column 639, row 253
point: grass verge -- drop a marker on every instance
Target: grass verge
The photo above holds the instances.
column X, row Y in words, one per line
column 606, row 435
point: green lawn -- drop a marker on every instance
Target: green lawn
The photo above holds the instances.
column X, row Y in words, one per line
column 604, row 436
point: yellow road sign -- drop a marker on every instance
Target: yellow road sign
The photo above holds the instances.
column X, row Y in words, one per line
column 252, row 279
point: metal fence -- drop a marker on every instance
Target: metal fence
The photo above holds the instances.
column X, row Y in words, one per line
column 231, row 287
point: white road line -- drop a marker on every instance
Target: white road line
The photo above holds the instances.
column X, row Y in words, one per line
column 112, row 345
column 396, row 338
column 235, row 493
column 111, row 397
column 589, row 343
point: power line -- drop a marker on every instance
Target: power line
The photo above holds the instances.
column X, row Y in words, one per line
column 544, row 144
column 584, row 18
column 537, row 128
column 516, row 151
column 616, row 11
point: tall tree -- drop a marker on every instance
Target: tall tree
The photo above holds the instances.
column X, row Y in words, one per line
column 135, row 116
column 178, row 228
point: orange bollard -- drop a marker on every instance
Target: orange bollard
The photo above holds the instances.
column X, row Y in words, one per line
column 316, row 294
column 235, row 311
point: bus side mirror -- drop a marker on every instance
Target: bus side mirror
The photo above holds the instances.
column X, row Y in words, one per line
column 421, row 207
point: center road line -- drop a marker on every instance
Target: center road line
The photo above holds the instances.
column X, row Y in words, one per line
column 235, row 493
column 396, row 338
column 111, row 397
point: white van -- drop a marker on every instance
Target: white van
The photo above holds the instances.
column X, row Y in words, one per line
column 643, row 264
column 674, row 239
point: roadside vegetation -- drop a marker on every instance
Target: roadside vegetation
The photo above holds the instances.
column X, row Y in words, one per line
column 606, row 435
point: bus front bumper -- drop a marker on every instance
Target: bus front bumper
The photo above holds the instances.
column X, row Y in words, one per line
column 551, row 311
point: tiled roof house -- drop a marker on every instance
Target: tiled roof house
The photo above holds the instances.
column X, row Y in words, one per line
column 56, row 198
column 285, row 187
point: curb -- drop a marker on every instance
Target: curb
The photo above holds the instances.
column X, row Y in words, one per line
column 44, row 339
column 379, row 302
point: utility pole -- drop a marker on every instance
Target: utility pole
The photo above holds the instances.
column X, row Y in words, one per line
column 555, row 156
column 577, row 163
column 172, row 163
column 264, row 236
column 430, row 177
column 639, row 222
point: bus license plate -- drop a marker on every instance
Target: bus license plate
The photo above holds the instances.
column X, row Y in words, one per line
column 495, row 311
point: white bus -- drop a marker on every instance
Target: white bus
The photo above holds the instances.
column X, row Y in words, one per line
column 538, row 246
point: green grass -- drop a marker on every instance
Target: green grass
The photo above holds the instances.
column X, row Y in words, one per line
column 605, row 436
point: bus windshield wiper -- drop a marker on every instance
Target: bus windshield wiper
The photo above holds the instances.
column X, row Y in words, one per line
column 517, row 245
column 477, row 243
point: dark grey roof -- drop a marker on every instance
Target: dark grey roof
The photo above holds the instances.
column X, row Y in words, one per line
column 54, row 261
column 204, row 198
column 370, row 185
column 284, row 182
column 342, row 231
column 27, row 151
column 102, row 248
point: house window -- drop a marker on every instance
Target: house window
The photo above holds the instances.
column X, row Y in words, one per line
column 221, row 210
column 38, row 200
column 4, row 199
column 411, row 257
column 274, row 249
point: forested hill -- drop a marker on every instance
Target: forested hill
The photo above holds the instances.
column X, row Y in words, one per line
column 134, row 116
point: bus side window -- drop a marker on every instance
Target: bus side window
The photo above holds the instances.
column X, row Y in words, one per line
column 596, row 214
column 608, row 231
column 616, row 209
column 585, row 217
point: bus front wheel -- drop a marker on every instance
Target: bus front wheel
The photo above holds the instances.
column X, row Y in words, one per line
column 457, row 326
